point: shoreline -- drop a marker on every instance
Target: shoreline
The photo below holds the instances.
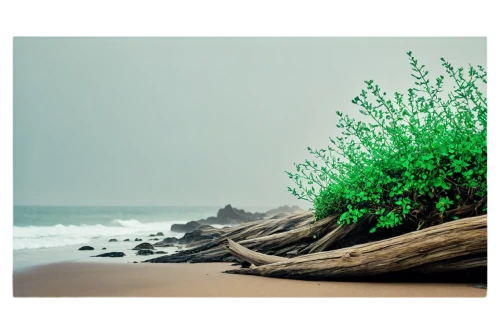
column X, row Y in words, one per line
column 37, row 242
column 90, row 279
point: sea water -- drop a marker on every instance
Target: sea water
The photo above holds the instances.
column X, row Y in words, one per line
column 47, row 234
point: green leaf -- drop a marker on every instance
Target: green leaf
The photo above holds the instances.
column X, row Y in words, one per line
column 426, row 147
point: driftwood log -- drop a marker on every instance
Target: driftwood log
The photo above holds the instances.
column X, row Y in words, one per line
column 456, row 245
column 245, row 255
column 473, row 267
column 455, row 264
column 267, row 235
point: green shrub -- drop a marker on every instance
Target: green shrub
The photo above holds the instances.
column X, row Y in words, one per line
column 421, row 158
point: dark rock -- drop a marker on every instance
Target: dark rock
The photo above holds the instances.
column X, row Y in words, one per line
column 160, row 234
column 166, row 242
column 205, row 227
column 188, row 227
column 226, row 215
column 155, row 239
column 111, row 254
column 152, row 235
column 104, row 248
column 230, row 215
column 85, row 248
column 160, row 252
column 126, row 240
column 138, row 240
column 144, row 246
column 113, row 240
column 200, row 235
column 144, row 252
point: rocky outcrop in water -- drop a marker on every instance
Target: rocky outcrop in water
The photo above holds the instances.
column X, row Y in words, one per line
column 227, row 215
column 205, row 227
column 230, row 215
column 113, row 240
column 144, row 246
column 204, row 233
column 169, row 241
column 160, row 234
column 86, row 248
column 188, row 227
column 138, row 240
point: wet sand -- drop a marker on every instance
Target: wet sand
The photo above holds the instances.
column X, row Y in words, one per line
column 72, row 279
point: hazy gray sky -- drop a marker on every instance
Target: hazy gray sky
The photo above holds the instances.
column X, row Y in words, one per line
column 192, row 121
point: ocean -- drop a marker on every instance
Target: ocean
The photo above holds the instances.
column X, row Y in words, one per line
column 47, row 234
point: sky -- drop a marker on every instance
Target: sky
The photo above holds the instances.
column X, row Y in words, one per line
column 193, row 121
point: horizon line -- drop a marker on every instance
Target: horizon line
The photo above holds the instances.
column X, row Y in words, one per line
column 135, row 205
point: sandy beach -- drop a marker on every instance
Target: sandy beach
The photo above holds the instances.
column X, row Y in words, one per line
column 73, row 279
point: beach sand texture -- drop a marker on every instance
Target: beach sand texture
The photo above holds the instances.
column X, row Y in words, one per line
column 70, row 279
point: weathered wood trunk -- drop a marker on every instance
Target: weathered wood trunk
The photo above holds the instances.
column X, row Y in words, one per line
column 455, row 264
column 272, row 241
column 263, row 235
column 277, row 241
column 424, row 250
column 245, row 255
column 471, row 268
column 461, row 263
column 355, row 234
column 326, row 241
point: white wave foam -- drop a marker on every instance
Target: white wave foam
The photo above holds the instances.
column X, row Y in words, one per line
column 127, row 223
column 33, row 237
column 45, row 242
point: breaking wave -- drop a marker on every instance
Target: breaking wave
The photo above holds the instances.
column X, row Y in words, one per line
column 33, row 237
